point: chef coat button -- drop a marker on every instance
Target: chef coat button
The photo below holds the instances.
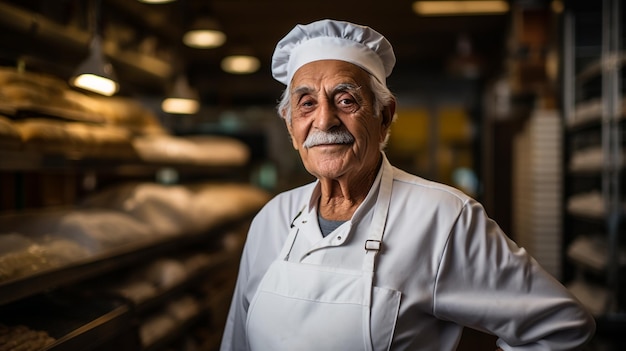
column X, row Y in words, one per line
column 339, row 238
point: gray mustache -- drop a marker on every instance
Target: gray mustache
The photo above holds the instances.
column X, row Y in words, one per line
column 332, row 137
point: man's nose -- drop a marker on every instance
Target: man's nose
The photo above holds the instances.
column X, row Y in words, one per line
column 327, row 117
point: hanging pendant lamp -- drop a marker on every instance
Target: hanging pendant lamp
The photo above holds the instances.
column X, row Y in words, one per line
column 183, row 99
column 95, row 74
column 204, row 33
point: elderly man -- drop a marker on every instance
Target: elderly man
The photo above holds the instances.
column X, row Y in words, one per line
column 369, row 257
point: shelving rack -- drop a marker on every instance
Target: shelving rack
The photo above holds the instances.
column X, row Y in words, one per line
column 76, row 303
column 594, row 64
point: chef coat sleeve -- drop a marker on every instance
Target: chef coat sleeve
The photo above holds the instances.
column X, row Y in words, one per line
column 260, row 250
column 486, row 282
column 234, row 337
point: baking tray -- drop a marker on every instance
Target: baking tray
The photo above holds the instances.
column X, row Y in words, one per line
column 76, row 323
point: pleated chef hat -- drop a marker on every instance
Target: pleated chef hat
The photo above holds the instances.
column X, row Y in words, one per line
column 333, row 40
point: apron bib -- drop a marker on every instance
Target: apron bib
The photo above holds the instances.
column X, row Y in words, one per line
column 300, row 307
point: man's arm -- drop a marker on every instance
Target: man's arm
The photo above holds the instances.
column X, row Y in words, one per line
column 485, row 281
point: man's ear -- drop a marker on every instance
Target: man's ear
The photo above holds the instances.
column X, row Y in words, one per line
column 387, row 115
column 388, row 112
column 289, row 130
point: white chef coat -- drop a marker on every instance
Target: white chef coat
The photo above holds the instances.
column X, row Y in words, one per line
column 451, row 264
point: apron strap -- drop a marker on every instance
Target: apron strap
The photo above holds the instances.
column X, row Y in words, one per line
column 373, row 244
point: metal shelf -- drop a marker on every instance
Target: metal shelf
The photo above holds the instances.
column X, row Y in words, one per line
column 23, row 160
column 19, row 288
column 593, row 103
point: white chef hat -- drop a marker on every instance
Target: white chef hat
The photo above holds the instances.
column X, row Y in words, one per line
column 333, row 40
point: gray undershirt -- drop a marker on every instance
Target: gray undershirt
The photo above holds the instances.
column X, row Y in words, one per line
column 328, row 226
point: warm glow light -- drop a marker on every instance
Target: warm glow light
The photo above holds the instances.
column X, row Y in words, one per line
column 95, row 73
column 180, row 106
column 96, row 84
column 557, row 6
column 240, row 64
column 456, row 8
column 156, row 1
column 182, row 99
column 204, row 38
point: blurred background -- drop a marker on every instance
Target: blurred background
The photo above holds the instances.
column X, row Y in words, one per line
column 518, row 103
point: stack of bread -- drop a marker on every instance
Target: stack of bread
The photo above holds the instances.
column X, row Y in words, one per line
column 40, row 113
column 165, row 275
column 10, row 138
column 51, row 118
column 172, row 209
column 122, row 217
column 23, row 338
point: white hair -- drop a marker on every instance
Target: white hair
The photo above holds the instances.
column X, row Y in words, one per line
column 383, row 97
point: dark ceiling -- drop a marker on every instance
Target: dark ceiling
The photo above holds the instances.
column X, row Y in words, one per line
column 423, row 45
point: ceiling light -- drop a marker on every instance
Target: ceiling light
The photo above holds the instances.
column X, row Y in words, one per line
column 460, row 8
column 183, row 99
column 240, row 64
column 180, row 106
column 95, row 74
column 205, row 33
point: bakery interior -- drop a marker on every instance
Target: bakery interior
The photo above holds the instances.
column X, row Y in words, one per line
column 122, row 220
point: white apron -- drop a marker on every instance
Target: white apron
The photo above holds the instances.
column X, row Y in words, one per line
column 300, row 307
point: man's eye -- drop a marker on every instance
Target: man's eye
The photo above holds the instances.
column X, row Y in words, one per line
column 346, row 102
column 306, row 104
column 347, row 105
